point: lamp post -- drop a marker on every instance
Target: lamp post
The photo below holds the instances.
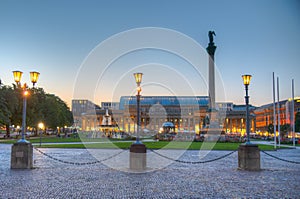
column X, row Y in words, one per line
column 18, row 76
column 246, row 79
column 138, row 150
column 138, row 80
column 248, row 154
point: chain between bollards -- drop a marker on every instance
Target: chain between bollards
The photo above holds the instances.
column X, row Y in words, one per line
column 289, row 161
column 78, row 163
column 159, row 154
column 191, row 162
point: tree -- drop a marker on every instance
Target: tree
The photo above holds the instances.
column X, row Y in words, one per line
column 10, row 109
column 285, row 129
column 4, row 112
column 56, row 112
column 35, row 104
column 41, row 107
column 270, row 129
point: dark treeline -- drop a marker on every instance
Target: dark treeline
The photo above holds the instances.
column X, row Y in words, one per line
column 41, row 107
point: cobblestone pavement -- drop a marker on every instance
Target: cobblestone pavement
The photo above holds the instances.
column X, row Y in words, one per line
column 218, row 179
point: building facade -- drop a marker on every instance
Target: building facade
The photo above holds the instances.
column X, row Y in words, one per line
column 265, row 116
column 80, row 107
column 235, row 122
column 187, row 113
column 110, row 105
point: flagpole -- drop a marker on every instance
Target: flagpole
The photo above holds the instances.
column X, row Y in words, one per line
column 278, row 112
column 274, row 111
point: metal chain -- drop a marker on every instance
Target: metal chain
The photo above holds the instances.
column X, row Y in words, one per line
column 290, row 161
column 180, row 161
column 191, row 162
column 78, row 163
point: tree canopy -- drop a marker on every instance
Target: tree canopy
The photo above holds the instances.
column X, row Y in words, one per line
column 41, row 107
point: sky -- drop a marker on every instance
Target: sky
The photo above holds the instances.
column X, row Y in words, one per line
column 69, row 42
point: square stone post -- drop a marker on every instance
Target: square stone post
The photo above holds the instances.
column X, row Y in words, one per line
column 22, row 156
column 249, row 157
column 138, row 157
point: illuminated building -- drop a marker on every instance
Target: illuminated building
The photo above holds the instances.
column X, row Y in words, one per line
column 264, row 116
column 79, row 107
column 187, row 113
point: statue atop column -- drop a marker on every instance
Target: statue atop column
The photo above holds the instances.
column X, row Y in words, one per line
column 211, row 35
column 211, row 48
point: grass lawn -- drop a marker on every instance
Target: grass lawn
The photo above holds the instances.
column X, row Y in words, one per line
column 55, row 140
column 67, row 143
column 160, row 145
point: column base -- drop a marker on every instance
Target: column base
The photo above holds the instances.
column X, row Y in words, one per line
column 138, row 157
column 22, row 156
column 249, row 157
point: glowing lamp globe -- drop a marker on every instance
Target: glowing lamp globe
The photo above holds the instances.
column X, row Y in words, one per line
column 246, row 79
column 34, row 76
column 17, row 76
column 138, row 78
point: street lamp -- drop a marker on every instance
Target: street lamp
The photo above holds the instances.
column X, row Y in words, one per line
column 248, row 154
column 41, row 128
column 138, row 151
column 17, row 77
column 41, row 125
column 138, row 80
column 34, row 76
column 246, row 79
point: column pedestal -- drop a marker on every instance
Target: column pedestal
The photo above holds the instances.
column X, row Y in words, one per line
column 138, row 157
column 22, row 156
column 249, row 157
column 214, row 130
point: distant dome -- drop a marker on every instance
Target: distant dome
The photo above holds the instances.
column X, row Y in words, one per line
column 168, row 124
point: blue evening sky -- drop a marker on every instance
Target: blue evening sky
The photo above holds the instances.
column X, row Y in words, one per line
column 54, row 37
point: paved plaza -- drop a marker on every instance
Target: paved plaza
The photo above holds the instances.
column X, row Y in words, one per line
column 217, row 179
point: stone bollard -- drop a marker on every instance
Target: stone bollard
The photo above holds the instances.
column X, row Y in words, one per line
column 138, row 158
column 249, row 157
column 22, row 156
